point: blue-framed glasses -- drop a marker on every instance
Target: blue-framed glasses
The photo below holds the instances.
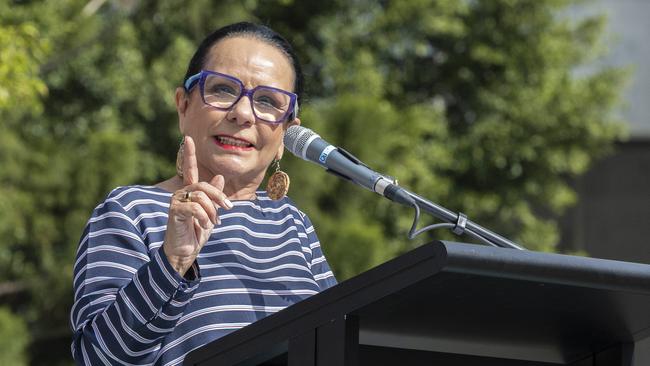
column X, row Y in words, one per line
column 223, row 91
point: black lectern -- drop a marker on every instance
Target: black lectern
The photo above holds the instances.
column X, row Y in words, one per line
column 449, row 304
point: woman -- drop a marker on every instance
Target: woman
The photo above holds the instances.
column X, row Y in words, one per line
column 162, row 270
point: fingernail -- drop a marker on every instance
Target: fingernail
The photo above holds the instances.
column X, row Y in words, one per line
column 228, row 203
column 218, row 221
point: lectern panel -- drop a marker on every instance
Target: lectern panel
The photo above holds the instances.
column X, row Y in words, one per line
column 503, row 318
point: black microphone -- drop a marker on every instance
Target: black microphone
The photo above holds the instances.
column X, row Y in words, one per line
column 308, row 145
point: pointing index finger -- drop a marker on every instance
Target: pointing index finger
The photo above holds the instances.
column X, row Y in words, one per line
column 190, row 167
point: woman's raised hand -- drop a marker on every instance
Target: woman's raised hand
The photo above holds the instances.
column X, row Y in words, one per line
column 192, row 212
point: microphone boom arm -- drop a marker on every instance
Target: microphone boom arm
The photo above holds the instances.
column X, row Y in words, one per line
column 459, row 223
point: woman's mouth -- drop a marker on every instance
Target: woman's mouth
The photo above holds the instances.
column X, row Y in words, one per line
column 232, row 143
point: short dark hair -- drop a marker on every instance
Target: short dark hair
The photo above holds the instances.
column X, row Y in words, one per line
column 258, row 31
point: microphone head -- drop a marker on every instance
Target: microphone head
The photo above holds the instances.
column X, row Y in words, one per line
column 297, row 139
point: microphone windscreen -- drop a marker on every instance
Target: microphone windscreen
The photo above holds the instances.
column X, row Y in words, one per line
column 296, row 139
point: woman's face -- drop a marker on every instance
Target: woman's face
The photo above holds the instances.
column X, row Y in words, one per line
column 233, row 143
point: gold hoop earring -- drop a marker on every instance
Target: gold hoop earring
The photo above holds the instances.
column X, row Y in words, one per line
column 278, row 184
column 179, row 159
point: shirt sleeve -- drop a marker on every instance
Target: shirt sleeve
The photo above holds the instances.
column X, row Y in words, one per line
column 319, row 267
column 126, row 298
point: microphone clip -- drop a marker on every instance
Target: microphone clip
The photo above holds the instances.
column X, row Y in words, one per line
column 353, row 158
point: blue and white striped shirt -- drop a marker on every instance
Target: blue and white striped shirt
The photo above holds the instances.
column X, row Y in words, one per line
column 132, row 308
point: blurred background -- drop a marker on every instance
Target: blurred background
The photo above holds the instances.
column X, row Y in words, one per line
column 531, row 116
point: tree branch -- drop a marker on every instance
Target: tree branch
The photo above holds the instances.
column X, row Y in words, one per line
column 11, row 288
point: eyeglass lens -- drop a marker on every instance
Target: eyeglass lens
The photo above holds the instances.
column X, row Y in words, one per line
column 268, row 104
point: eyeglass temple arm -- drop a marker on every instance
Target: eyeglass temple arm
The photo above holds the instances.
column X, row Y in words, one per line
column 190, row 81
column 294, row 113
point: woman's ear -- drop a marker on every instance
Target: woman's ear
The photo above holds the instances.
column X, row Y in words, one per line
column 182, row 102
column 296, row 122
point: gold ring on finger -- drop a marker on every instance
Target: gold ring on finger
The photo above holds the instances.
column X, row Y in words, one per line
column 187, row 196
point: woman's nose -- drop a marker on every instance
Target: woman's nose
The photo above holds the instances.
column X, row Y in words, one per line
column 242, row 111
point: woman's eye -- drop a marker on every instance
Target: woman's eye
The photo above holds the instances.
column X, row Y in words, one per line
column 223, row 89
column 267, row 101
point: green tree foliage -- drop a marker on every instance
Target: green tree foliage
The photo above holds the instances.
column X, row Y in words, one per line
column 478, row 105
column 14, row 336
column 20, row 89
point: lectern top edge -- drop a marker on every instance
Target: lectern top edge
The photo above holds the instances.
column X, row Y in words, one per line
column 562, row 269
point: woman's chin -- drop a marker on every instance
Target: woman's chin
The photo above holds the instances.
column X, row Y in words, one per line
column 233, row 166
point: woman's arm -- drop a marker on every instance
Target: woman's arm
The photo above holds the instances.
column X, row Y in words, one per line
column 319, row 266
column 127, row 299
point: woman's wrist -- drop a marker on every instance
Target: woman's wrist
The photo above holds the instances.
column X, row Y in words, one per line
column 180, row 264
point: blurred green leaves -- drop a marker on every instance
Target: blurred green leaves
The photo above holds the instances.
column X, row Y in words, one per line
column 15, row 338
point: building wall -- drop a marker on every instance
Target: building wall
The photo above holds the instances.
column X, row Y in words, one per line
column 612, row 217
